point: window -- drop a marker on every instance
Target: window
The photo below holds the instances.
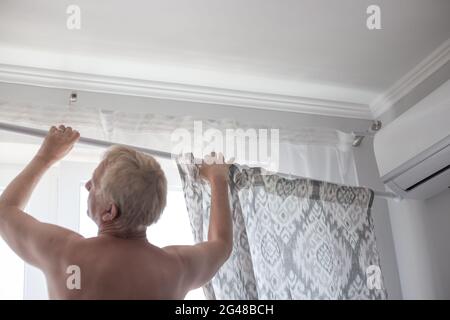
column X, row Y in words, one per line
column 11, row 272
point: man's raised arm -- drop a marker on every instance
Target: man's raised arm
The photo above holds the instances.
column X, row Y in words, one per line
column 33, row 241
column 201, row 261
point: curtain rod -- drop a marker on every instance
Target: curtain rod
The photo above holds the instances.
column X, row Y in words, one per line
column 379, row 194
column 87, row 141
column 105, row 144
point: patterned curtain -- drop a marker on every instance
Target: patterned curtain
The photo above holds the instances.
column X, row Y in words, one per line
column 293, row 238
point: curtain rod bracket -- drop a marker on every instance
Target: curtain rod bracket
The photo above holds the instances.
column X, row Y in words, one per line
column 359, row 136
column 73, row 97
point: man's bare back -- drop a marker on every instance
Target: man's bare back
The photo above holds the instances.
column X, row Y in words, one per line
column 113, row 268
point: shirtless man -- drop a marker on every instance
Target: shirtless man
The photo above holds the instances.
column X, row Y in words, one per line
column 127, row 193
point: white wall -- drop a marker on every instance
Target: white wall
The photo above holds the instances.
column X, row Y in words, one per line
column 422, row 239
column 437, row 225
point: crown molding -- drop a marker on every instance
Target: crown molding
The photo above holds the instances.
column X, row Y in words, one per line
column 432, row 63
column 181, row 92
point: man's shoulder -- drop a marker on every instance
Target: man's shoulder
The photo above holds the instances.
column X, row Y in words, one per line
column 79, row 246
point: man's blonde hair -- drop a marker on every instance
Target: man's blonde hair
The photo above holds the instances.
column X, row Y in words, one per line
column 135, row 182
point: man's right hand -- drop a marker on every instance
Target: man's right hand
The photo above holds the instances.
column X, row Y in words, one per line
column 214, row 168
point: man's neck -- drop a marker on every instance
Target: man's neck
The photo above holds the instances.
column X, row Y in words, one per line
column 111, row 231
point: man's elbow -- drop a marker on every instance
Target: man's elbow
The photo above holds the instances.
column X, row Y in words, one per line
column 224, row 241
column 6, row 209
column 3, row 208
column 226, row 249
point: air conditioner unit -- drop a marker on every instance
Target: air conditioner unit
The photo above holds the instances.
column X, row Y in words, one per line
column 413, row 151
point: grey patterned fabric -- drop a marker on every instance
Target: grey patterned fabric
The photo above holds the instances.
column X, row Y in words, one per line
column 293, row 239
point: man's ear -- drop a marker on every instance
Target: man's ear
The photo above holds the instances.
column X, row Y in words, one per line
column 111, row 214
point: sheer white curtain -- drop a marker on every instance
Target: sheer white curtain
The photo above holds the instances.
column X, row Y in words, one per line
column 318, row 153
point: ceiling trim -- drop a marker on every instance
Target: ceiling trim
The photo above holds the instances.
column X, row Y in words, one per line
column 181, row 92
column 432, row 63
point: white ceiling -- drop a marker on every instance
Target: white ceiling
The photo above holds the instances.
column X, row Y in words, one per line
column 307, row 49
